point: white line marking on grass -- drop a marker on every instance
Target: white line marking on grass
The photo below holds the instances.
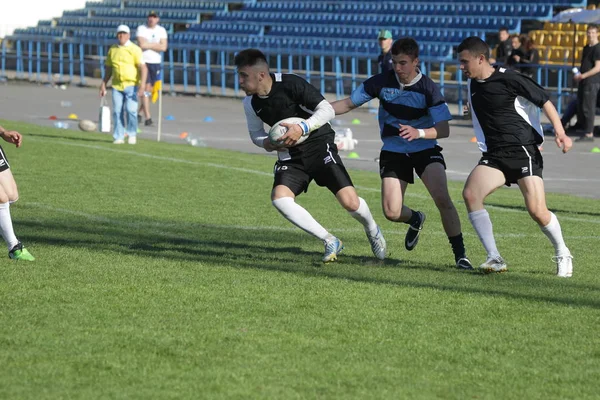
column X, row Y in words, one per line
column 270, row 174
column 162, row 225
column 155, row 157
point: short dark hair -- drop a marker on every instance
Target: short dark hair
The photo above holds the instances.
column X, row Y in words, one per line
column 250, row 58
column 592, row 26
column 503, row 28
column 475, row 46
column 407, row 46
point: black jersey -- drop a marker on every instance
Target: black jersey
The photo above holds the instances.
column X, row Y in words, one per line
column 385, row 62
column 589, row 56
column 291, row 96
column 506, row 110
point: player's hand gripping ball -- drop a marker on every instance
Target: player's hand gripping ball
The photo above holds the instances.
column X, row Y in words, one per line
column 277, row 131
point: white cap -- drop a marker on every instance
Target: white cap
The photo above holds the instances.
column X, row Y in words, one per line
column 123, row 28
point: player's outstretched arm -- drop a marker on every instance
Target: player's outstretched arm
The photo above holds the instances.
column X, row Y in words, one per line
column 343, row 106
column 562, row 140
column 438, row 131
column 11, row 136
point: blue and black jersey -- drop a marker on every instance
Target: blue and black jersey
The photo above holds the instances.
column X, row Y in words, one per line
column 419, row 104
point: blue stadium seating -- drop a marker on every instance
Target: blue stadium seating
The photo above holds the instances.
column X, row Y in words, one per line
column 339, row 46
column 314, row 25
column 376, row 20
column 561, row 3
column 76, row 13
column 103, row 4
column 480, row 9
column 178, row 5
column 452, row 36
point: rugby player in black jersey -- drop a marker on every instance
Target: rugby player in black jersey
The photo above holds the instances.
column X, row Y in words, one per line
column 505, row 109
column 273, row 97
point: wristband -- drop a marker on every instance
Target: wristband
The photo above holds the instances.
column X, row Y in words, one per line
column 421, row 133
column 304, row 127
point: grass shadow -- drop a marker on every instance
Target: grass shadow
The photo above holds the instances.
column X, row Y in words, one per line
column 236, row 248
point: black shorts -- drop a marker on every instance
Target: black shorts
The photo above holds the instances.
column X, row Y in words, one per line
column 319, row 162
column 515, row 162
column 402, row 165
column 3, row 161
column 154, row 73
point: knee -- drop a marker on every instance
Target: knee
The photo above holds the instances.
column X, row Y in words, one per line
column 9, row 196
column 351, row 204
column 539, row 214
column 469, row 196
column 392, row 214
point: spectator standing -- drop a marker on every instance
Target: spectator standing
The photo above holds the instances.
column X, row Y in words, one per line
column 588, row 84
column 517, row 52
column 531, row 56
column 385, row 43
column 152, row 39
column 504, row 47
column 125, row 65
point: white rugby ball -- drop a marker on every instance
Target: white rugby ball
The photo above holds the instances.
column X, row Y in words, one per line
column 87, row 126
column 277, row 131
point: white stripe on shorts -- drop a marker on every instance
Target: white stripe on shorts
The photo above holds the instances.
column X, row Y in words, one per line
column 330, row 155
column 529, row 157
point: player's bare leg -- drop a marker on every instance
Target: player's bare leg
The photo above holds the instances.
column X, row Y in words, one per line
column 359, row 210
column 434, row 179
column 392, row 200
column 534, row 194
column 481, row 183
column 9, row 194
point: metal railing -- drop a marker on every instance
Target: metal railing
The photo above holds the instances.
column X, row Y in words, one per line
column 209, row 70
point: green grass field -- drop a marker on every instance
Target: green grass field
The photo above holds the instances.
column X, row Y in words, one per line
column 163, row 271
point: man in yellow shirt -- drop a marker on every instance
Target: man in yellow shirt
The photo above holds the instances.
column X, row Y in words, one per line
column 125, row 65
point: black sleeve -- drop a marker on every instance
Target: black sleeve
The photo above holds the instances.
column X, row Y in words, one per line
column 532, row 57
column 596, row 55
column 526, row 87
column 303, row 92
column 374, row 84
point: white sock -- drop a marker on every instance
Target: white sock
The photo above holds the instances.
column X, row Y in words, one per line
column 363, row 215
column 554, row 233
column 6, row 226
column 298, row 216
column 483, row 226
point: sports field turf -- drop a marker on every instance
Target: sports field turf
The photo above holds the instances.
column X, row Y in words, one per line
column 163, row 271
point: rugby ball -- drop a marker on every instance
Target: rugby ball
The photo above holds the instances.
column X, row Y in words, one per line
column 87, row 126
column 277, row 131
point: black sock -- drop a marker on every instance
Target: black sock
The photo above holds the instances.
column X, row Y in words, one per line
column 415, row 218
column 458, row 246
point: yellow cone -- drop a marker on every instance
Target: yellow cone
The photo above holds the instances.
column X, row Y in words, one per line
column 353, row 155
column 596, row 150
column 73, row 116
